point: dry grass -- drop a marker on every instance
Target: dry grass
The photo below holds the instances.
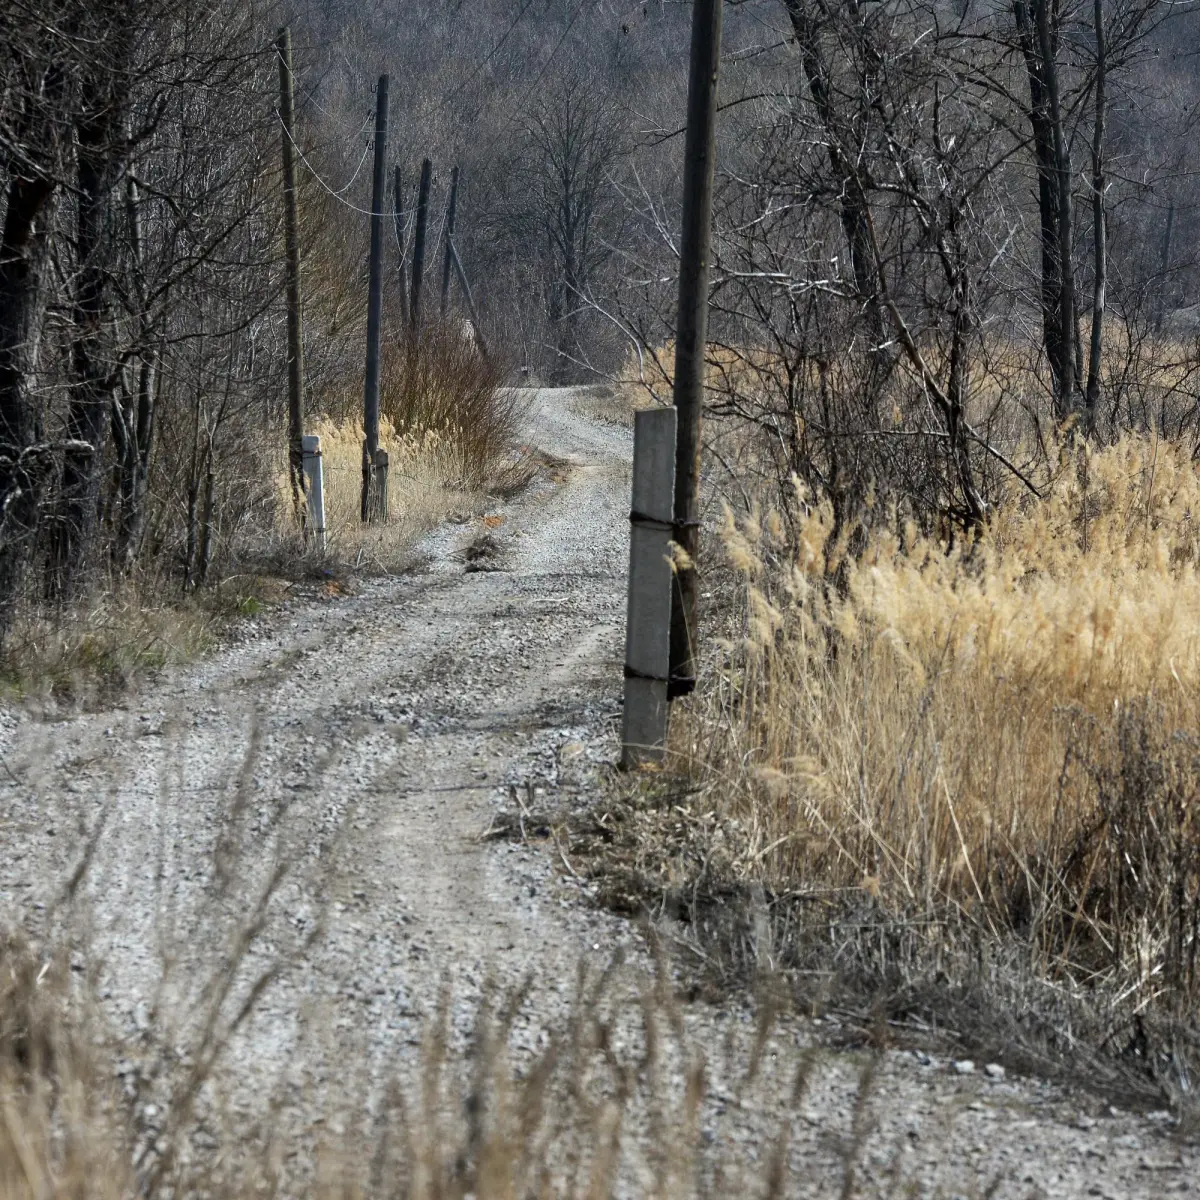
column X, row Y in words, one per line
column 612, row 403
column 612, row 1103
column 994, row 740
column 444, row 385
column 961, row 778
column 425, row 487
column 448, row 424
column 90, row 653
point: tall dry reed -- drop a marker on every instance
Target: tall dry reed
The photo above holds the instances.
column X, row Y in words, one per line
column 1000, row 737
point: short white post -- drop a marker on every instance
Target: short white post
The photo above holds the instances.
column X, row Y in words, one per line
column 647, row 628
column 314, row 481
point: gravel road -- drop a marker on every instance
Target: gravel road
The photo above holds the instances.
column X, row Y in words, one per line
column 323, row 785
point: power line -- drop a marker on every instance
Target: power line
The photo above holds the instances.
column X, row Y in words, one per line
column 545, row 67
column 338, row 194
column 510, row 116
column 310, row 97
column 365, row 212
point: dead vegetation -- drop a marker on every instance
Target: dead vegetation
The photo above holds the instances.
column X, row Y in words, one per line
column 449, row 425
column 955, row 777
column 614, row 1102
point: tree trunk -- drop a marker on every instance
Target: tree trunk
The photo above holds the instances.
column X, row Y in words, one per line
column 23, row 257
column 99, row 157
column 1038, row 40
column 852, row 207
column 133, row 432
column 133, row 413
column 1068, row 381
column 1047, row 205
column 1164, row 269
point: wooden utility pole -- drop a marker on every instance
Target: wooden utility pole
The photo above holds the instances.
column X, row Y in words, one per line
column 372, row 502
column 447, row 264
column 291, row 238
column 398, row 218
column 418, row 266
column 691, row 329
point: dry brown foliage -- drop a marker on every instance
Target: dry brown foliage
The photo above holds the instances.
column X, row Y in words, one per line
column 612, row 1103
column 937, row 769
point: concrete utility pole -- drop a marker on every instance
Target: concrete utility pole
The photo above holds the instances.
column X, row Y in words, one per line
column 418, row 266
column 447, row 264
column 291, row 238
column 691, row 329
column 373, row 502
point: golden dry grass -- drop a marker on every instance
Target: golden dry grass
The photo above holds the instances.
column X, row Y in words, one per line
column 425, row 486
column 89, row 652
column 1001, row 735
column 448, row 423
column 610, row 1104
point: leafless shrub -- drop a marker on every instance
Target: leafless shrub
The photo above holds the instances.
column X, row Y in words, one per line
column 444, row 384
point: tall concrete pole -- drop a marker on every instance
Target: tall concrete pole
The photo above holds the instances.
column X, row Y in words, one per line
column 447, row 264
column 291, row 239
column 418, row 264
column 398, row 218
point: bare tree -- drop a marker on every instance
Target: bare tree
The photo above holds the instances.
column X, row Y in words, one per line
column 37, row 79
column 573, row 142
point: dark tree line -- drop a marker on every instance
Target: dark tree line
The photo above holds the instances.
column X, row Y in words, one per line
column 142, row 329
column 139, row 277
column 939, row 232
column 946, row 234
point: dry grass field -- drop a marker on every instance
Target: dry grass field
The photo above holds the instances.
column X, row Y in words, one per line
column 933, row 756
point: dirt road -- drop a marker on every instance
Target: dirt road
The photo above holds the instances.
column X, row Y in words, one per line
column 315, row 795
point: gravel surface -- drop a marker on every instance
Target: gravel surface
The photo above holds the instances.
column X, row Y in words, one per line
column 323, row 786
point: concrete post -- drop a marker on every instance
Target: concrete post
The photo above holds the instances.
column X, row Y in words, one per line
column 291, row 241
column 370, row 504
column 648, row 624
column 314, row 479
column 691, row 327
column 418, row 260
column 463, row 282
column 451, row 213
